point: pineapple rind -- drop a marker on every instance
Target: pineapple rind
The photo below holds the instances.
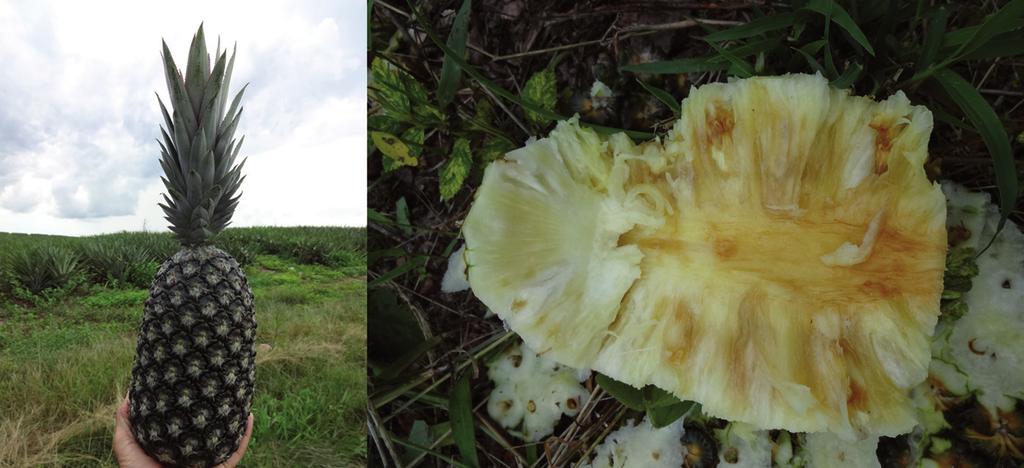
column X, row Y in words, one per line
column 701, row 264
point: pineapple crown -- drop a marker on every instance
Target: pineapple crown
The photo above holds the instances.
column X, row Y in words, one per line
column 198, row 148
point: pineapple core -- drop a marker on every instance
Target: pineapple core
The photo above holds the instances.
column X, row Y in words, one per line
column 777, row 257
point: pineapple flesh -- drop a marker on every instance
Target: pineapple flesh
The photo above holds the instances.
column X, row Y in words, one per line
column 192, row 381
column 777, row 257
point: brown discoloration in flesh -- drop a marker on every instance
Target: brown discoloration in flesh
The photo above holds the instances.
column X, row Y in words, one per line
column 720, row 122
column 856, row 397
column 885, row 133
column 724, row 248
column 681, row 343
column 517, row 305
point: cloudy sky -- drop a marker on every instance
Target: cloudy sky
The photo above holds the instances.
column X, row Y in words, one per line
column 79, row 118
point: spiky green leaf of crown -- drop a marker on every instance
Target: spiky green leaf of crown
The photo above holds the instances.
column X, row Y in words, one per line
column 198, row 148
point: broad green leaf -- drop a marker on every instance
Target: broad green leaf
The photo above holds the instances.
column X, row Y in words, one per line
column 402, row 216
column 460, row 410
column 392, row 329
column 664, row 415
column 933, row 39
column 839, row 15
column 655, row 397
column 997, row 23
column 628, row 395
column 985, row 120
column 494, row 148
column 450, row 71
column 394, row 148
column 419, row 435
column 848, row 77
column 672, row 67
column 400, row 95
column 380, row 123
column 413, row 138
column 754, row 28
column 386, row 88
column 662, row 96
column 454, row 173
column 484, row 110
column 541, row 90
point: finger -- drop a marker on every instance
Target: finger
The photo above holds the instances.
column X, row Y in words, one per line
column 242, row 447
column 122, row 411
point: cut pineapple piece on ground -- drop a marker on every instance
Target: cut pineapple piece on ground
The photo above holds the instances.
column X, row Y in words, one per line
column 532, row 393
column 641, row 445
column 983, row 351
column 777, row 258
column 825, row 450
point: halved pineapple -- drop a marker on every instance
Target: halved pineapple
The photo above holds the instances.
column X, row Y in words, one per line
column 778, row 257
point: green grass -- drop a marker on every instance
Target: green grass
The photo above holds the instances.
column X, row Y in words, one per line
column 66, row 364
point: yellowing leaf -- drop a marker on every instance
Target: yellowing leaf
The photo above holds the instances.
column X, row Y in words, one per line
column 540, row 90
column 393, row 148
column 455, row 171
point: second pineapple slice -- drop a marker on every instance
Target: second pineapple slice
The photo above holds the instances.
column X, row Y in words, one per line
column 778, row 257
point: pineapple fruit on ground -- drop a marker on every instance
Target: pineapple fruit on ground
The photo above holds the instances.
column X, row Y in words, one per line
column 192, row 381
column 778, row 257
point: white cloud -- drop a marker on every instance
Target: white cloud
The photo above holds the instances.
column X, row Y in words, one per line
column 79, row 120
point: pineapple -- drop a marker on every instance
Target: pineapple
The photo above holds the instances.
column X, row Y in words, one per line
column 778, row 257
column 192, row 381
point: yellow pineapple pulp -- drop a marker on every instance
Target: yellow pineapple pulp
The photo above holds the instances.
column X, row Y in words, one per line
column 778, row 257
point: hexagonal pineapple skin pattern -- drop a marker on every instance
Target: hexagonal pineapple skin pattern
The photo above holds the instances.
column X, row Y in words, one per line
column 192, row 382
column 777, row 257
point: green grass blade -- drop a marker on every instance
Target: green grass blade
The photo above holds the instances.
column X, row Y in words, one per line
column 1004, row 20
column 808, row 51
column 754, row 28
column 985, row 120
column 662, row 96
column 848, row 77
column 400, row 270
column 460, row 409
column 675, row 67
column 958, row 37
column 750, row 48
column 933, row 39
column 439, row 455
column 840, row 16
column 739, row 67
column 450, row 71
column 1004, row 45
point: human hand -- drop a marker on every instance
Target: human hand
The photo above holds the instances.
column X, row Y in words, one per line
column 130, row 455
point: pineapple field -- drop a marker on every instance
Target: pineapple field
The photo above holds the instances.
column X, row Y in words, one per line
column 70, row 309
column 739, row 233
